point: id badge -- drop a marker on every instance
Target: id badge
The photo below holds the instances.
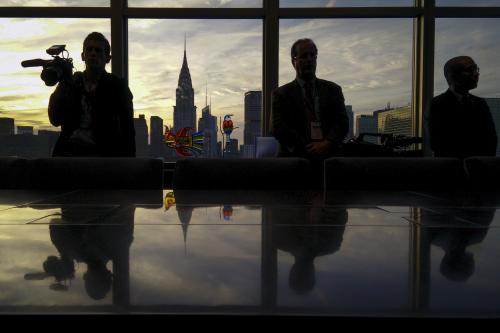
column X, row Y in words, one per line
column 316, row 133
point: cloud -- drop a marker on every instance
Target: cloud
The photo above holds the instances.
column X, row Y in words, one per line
column 15, row 98
column 369, row 58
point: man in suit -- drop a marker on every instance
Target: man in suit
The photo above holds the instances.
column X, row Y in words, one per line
column 309, row 118
column 460, row 123
column 94, row 109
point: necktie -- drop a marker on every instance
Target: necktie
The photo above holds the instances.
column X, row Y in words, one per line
column 309, row 101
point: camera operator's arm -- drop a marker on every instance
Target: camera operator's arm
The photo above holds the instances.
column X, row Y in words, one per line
column 59, row 101
column 127, row 122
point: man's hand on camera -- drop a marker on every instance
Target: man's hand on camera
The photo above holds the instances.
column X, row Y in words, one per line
column 318, row 148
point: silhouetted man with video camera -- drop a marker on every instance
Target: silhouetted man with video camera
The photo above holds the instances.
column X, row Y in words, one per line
column 94, row 109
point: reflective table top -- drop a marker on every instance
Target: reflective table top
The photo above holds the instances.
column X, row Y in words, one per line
column 247, row 253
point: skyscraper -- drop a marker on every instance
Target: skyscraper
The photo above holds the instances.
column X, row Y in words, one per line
column 156, row 136
column 141, row 136
column 184, row 109
column 232, row 149
column 6, row 126
column 24, row 130
column 350, row 116
column 208, row 125
column 394, row 121
column 366, row 123
column 253, row 116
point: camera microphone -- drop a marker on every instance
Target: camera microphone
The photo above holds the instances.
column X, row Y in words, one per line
column 35, row 63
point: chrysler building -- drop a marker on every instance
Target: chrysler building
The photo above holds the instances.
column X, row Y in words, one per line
column 184, row 109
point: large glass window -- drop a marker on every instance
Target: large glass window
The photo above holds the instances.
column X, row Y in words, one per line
column 196, row 3
column 23, row 95
column 476, row 39
column 222, row 64
column 369, row 58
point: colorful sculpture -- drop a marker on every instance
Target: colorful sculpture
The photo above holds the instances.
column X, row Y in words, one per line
column 227, row 212
column 227, row 125
column 184, row 143
column 226, row 129
column 169, row 200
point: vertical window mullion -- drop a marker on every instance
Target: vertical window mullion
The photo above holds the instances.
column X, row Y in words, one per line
column 270, row 60
column 423, row 73
column 119, row 42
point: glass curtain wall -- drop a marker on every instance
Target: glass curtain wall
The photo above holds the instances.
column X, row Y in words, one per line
column 379, row 56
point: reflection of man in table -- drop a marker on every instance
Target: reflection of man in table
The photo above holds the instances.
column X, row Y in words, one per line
column 457, row 263
column 307, row 233
column 93, row 244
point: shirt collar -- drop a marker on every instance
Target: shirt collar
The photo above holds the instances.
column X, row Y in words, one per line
column 459, row 96
column 302, row 82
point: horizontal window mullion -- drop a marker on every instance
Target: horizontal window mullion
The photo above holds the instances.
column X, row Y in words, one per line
column 195, row 13
column 475, row 12
column 366, row 12
column 49, row 12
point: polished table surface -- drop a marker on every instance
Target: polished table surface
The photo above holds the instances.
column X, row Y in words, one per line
column 240, row 252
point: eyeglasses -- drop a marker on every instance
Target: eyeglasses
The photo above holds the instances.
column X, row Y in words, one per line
column 474, row 69
column 305, row 56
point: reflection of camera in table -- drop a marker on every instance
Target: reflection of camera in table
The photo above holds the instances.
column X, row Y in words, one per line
column 57, row 69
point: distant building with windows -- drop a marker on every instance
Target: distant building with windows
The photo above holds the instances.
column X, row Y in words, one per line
column 232, row 149
column 350, row 116
column 7, row 126
column 184, row 109
column 253, row 122
column 395, row 121
column 141, row 136
column 247, row 151
column 156, row 147
column 253, row 116
column 24, row 130
column 208, row 125
column 28, row 145
column 366, row 123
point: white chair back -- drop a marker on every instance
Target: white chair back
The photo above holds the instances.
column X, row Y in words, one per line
column 266, row 146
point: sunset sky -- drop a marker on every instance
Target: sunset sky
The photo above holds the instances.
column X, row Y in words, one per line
column 370, row 58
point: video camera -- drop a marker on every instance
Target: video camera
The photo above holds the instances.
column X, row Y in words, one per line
column 59, row 68
column 388, row 145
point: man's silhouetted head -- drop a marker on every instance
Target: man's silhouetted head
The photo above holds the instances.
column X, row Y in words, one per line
column 98, row 280
column 96, row 52
column 304, row 54
column 461, row 73
column 302, row 276
column 458, row 266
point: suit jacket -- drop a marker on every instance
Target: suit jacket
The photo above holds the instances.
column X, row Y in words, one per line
column 289, row 123
column 112, row 116
column 461, row 129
